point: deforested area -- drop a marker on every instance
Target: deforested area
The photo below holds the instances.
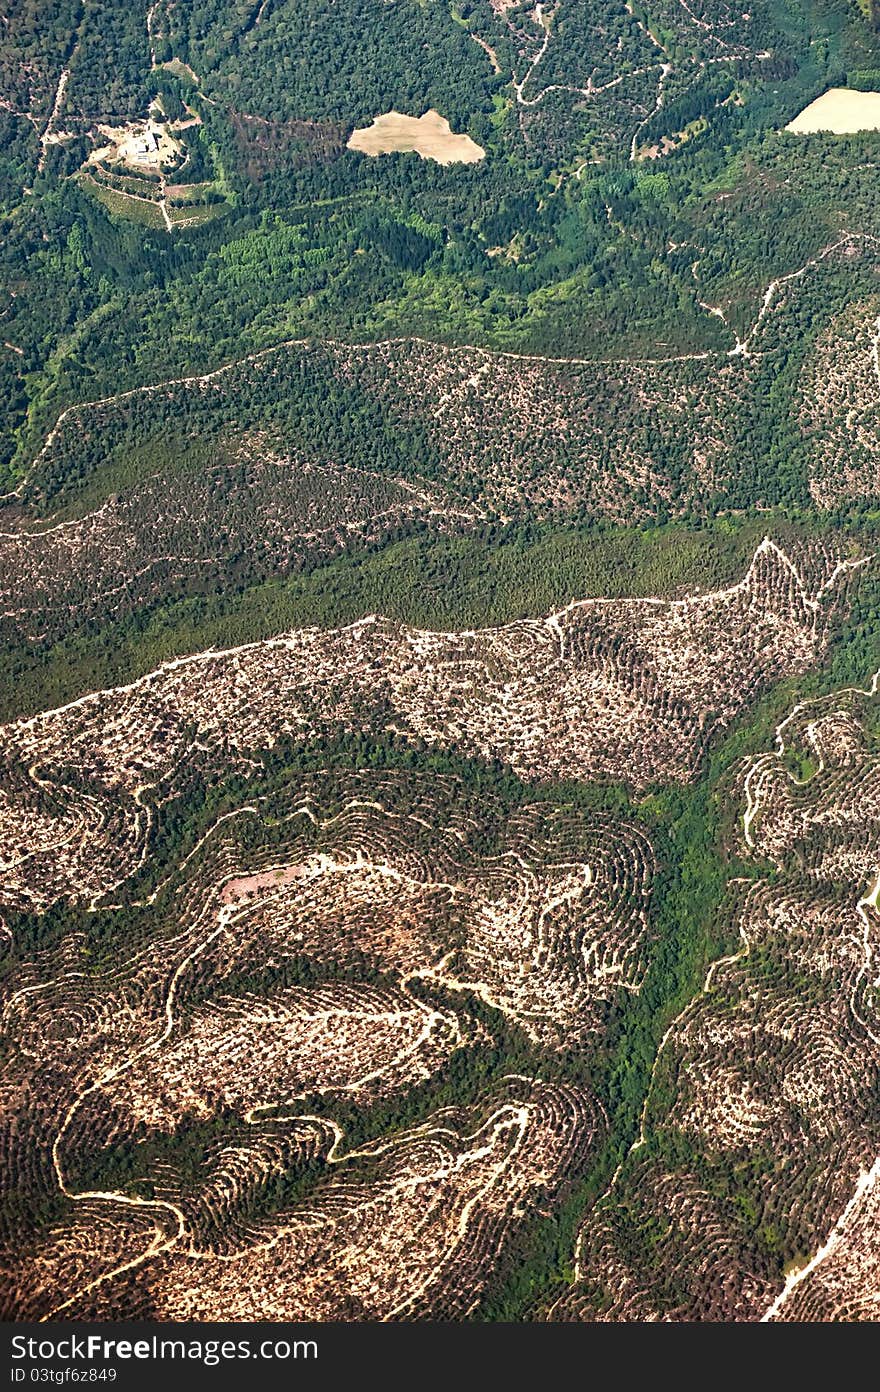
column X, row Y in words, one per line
column 439, row 661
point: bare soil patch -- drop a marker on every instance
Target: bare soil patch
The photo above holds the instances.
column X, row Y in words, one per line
column 839, row 111
column 430, row 136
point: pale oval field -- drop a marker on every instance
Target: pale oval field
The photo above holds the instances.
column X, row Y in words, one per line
column 840, row 111
column 429, row 136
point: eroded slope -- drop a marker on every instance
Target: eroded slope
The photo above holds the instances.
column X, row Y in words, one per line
column 626, row 690
column 750, row 1191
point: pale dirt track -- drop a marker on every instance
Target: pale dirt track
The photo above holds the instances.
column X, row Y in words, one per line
column 840, row 112
column 430, row 136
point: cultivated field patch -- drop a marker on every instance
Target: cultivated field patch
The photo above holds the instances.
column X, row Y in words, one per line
column 429, row 135
column 839, row 111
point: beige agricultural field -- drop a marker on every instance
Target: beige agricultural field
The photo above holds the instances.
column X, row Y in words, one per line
column 430, row 136
column 839, row 111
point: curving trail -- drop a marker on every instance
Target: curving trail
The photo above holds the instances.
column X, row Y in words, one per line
column 867, row 1183
column 777, row 1057
column 742, row 349
column 627, row 689
column 538, row 929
